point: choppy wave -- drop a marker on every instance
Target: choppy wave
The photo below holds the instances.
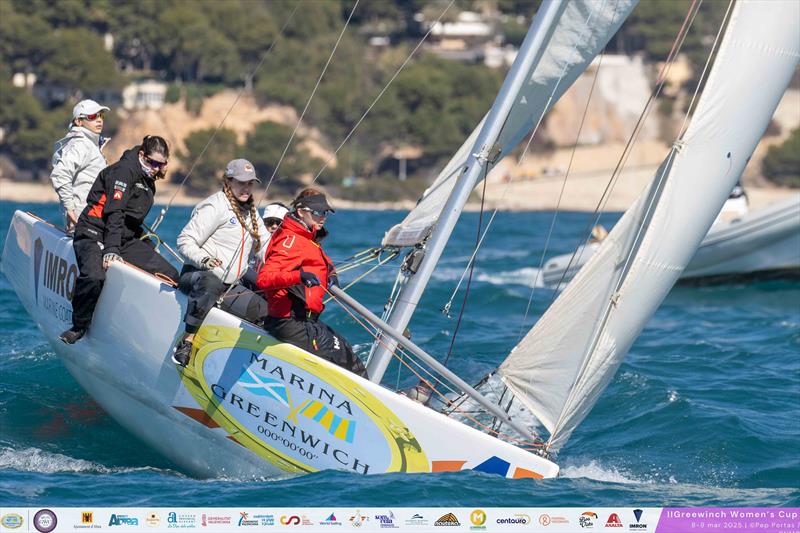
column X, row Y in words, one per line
column 593, row 470
column 44, row 462
column 702, row 412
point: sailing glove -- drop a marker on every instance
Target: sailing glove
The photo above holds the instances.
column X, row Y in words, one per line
column 309, row 279
column 209, row 263
column 108, row 258
column 333, row 279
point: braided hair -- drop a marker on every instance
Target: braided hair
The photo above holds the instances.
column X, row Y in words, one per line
column 253, row 229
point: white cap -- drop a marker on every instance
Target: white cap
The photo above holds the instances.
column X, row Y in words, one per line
column 87, row 107
column 275, row 210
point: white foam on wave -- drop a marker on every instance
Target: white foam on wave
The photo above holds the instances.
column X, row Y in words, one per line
column 526, row 276
column 43, row 462
column 595, row 471
column 36, row 460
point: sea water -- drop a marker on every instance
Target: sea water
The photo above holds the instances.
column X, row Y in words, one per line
column 704, row 411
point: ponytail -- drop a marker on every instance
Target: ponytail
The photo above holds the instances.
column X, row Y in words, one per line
column 253, row 229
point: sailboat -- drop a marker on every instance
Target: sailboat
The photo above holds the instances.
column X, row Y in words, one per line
column 760, row 244
column 248, row 405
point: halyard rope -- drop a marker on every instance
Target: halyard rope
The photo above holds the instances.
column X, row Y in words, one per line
column 164, row 210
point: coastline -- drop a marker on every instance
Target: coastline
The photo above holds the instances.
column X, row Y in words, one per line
column 543, row 194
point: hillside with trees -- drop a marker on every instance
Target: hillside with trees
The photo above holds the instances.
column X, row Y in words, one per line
column 65, row 51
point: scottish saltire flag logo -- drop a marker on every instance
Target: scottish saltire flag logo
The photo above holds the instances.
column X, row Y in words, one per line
column 264, row 386
column 341, row 428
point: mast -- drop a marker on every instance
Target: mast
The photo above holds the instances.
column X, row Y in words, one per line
column 484, row 154
column 562, row 366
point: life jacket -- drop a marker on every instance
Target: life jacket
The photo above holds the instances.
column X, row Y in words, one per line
column 293, row 248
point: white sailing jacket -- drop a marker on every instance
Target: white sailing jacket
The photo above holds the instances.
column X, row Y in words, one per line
column 77, row 160
column 214, row 231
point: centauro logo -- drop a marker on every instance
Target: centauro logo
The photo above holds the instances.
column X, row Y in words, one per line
column 290, row 408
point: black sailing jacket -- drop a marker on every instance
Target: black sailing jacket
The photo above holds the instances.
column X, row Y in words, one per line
column 120, row 198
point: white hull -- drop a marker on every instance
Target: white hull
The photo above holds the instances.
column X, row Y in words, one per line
column 208, row 423
column 760, row 243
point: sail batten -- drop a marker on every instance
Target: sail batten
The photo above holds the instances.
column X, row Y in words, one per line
column 563, row 364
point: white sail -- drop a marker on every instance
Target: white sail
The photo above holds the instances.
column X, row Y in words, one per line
column 563, row 364
column 582, row 31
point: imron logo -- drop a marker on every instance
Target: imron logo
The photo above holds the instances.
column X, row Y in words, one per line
column 53, row 272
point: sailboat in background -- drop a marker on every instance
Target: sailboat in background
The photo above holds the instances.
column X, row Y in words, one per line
column 758, row 244
column 248, row 405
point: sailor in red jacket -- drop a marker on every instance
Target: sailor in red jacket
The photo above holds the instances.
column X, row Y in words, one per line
column 295, row 273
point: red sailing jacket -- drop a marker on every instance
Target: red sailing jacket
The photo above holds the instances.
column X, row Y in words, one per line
column 291, row 248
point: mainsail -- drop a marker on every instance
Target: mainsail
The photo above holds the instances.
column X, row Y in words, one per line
column 582, row 30
column 563, row 364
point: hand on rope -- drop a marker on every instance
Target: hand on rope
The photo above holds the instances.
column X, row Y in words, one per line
column 252, row 74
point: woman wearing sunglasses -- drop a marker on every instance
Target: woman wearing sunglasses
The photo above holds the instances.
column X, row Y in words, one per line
column 222, row 236
column 110, row 227
column 78, row 159
column 294, row 276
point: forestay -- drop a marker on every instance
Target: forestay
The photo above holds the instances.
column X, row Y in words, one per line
column 563, row 364
column 583, row 29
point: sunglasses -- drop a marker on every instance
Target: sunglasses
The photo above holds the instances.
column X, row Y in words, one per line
column 94, row 116
column 155, row 164
column 317, row 214
column 272, row 222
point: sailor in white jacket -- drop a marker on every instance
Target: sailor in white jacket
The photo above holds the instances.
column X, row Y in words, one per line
column 78, row 159
column 224, row 232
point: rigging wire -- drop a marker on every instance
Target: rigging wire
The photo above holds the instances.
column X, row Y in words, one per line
column 660, row 80
column 471, row 270
column 702, row 80
column 294, row 131
column 665, row 173
column 164, row 210
column 308, row 102
column 446, row 401
column 657, row 182
column 380, row 94
column 558, row 202
column 524, row 153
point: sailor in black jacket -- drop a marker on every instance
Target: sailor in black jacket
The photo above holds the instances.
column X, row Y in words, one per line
column 110, row 227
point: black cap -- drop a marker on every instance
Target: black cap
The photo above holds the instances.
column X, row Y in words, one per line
column 317, row 202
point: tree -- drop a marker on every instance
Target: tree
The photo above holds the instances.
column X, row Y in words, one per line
column 30, row 131
column 264, row 147
column 80, row 63
column 209, row 168
column 25, row 44
column 434, row 103
column 782, row 162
